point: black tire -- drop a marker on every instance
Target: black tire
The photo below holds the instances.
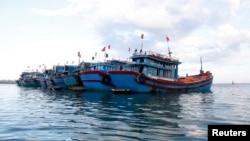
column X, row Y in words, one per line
column 106, row 79
column 141, row 78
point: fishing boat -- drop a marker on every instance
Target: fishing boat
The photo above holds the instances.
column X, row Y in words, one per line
column 150, row 71
column 19, row 82
column 29, row 79
column 71, row 77
column 51, row 85
column 96, row 77
column 57, row 76
column 40, row 77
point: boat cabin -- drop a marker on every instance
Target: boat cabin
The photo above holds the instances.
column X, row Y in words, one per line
column 155, row 64
column 109, row 65
column 69, row 69
column 58, row 69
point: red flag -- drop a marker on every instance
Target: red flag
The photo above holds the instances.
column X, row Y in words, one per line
column 79, row 54
column 103, row 49
column 167, row 38
column 142, row 36
column 108, row 46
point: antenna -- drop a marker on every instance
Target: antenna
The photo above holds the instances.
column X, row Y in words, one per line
column 201, row 71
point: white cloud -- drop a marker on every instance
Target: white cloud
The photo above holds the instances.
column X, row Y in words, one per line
column 234, row 6
column 73, row 9
column 228, row 34
column 216, row 30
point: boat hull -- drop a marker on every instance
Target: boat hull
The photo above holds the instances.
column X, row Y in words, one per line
column 30, row 82
column 58, row 80
column 18, row 82
column 135, row 83
column 42, row 82
column 96, row 80
column 71, row 80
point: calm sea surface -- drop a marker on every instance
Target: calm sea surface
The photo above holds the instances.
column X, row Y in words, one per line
column 30, row 114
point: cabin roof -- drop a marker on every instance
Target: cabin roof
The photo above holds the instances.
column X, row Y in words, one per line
column 156, row 56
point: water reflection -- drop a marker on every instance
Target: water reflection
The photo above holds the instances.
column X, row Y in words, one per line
column 100, row 115
column 107, row 116
column 36, row 114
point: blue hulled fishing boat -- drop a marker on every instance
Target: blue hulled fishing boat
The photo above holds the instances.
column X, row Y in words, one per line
column 70, row 76
column 57, row 76
column 96, row 77
column 49, row 73
column 153, row 72
column 28, row 79
column 40, row 77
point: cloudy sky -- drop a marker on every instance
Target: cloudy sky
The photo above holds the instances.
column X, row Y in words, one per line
column 49, row 32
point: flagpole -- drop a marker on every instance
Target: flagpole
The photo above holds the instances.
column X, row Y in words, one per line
column 142, row 36
column 79, row 56
column 79, row 59
column 141, row 46
column 169, row 52
column 104, row 50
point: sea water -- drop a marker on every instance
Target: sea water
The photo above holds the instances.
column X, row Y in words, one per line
column 32, row 114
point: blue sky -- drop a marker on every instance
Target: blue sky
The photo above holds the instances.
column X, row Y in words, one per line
column 51, row 32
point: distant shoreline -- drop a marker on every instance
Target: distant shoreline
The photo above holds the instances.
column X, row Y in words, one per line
column 7, row 81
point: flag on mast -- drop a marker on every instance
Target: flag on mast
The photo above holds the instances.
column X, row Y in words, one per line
column 103, row 49
column 167, row 38
column 142, row 36
column 79, row 54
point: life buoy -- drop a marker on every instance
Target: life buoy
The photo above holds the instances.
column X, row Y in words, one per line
column 106, row 79
column 141, row 78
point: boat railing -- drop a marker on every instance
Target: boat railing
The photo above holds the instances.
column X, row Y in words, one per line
column 152, row 53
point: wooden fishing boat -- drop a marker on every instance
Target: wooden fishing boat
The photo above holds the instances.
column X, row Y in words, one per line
column 153, row 72
column 28, row 79
column 71, row 76
column 96, row 77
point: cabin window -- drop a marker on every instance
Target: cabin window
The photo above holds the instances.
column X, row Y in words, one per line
column 104, row 67
column 136, row 68
column 141, row 60
column 121, row 67
column 161, row 73
column 145, row 70
column 154, row 71
column 166, row 74
column 150, row 70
